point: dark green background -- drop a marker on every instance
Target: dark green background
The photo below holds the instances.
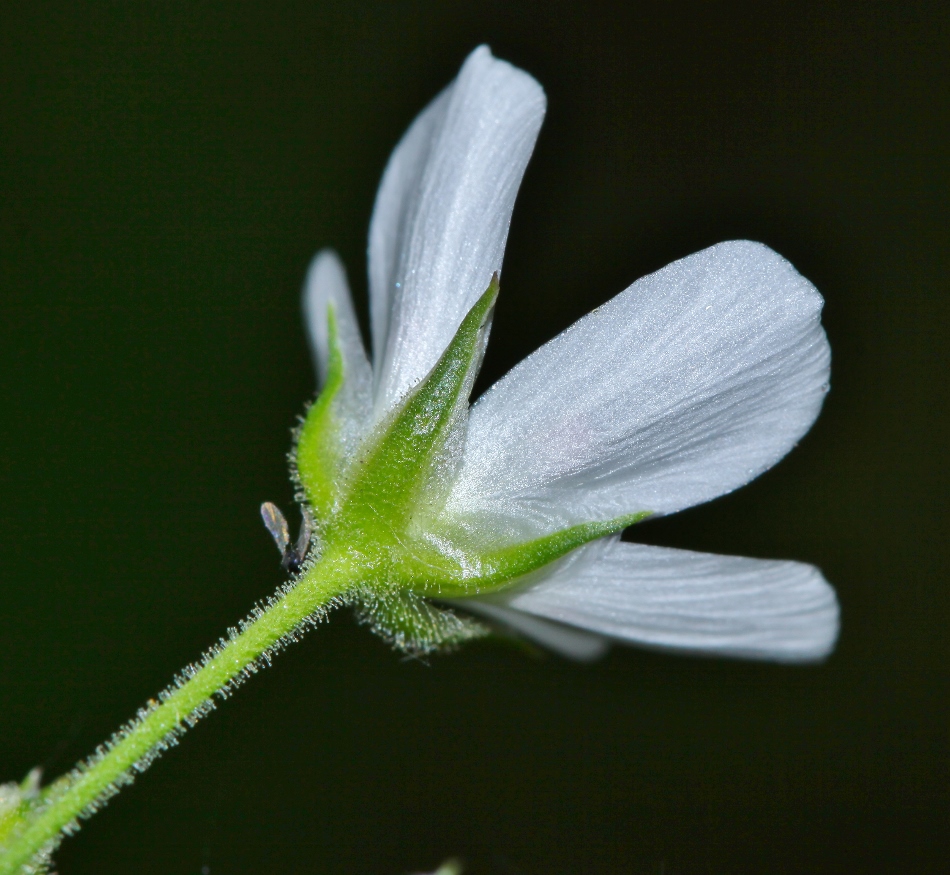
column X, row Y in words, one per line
column 167, row 171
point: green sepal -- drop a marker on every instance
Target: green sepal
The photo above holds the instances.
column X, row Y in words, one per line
column 400, row 613
column 467, row 572
column 414, row 625
column 318, row 454
column 389, row 476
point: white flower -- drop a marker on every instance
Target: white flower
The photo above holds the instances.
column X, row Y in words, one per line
column 684, row 387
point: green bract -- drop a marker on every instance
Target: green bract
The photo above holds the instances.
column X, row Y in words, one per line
column 375, row 508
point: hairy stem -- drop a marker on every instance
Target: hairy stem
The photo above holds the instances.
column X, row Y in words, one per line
column 159, row 723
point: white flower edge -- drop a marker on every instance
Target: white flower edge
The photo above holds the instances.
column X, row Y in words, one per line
column 441, row 216
column 687, row 385
column 669, row 599
column 682, row 388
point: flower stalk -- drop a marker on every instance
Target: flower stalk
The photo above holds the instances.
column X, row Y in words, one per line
column 158, row 725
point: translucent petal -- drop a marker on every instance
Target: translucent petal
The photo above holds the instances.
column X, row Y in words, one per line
column 573, row 643
column 689, row 384
column 442, row 213
column 326, row 286
column 698, row 602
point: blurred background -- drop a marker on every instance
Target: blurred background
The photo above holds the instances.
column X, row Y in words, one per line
column 166, row 172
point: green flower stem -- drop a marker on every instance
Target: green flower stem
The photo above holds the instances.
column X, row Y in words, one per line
column 318, row 588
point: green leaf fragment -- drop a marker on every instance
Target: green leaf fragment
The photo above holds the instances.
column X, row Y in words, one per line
column 17, row 802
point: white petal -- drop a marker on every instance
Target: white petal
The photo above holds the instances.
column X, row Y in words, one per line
column 324, row 287
column 698, row 602
column 441, row 216
column 573, row 643
column 689, row 384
